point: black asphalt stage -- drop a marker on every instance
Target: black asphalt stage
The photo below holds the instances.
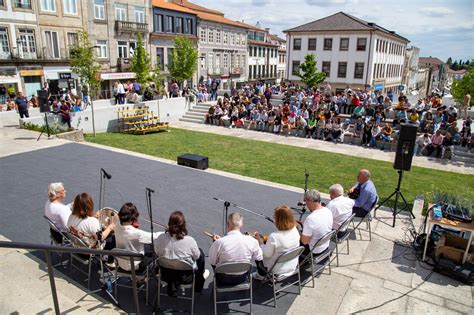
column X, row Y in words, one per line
column 25, row 177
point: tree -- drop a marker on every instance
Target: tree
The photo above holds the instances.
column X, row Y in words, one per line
column 184, row 59
column 84, row 63
column 140, row 62
column 308, row 72
column 449, row 61
column 466, row 84
column 455, row 66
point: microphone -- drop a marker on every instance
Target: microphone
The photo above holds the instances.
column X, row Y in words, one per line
column 150, row 190
column 301, row 204
column 106, row 174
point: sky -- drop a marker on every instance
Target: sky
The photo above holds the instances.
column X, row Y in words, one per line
column 440, row 28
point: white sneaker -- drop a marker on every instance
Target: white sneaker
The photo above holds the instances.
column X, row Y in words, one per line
column 257, row 276
column 206, row 274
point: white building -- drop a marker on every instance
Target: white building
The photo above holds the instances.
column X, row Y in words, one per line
column 262, row 55
column 351, row 51
column 410, row 69
column 281, row 63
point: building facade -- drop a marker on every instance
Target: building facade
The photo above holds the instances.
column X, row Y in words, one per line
column 281, row 62
column 262, row 55
column 351, row 52
column 437, row 74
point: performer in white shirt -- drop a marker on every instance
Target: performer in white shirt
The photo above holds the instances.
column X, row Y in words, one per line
column 55, row 210
column 316, row 225
column 287, row 237
column 128, row 236
column 340, row 206
column 234, row 247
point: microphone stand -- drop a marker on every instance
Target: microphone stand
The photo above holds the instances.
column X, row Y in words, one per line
column 149, row 191
column 302, row 211
column 103, row 175
column 226, row 209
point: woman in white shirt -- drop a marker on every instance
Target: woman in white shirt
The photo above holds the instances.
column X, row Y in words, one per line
column 129, row 237
column 177, row 244
column 287, row 237
column 55, row 210
column 83, row 223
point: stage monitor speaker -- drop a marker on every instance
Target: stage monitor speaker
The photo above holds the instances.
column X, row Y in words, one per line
column 43, row 101
column 193, row 160
column 405, row 147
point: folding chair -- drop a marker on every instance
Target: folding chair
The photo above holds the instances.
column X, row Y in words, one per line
column 64, row 240
column 123, row 273
column 175, row 264
column 233, row 268
column 313, row 259
column 344, row 237
column 367, row 219
column 289, row 255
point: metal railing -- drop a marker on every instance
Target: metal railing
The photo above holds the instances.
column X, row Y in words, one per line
column 48, row 249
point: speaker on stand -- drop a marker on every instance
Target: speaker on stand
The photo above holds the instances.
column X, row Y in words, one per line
column 403, row 161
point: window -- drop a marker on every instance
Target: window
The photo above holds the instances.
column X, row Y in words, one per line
column 210, row 36
column 344, row 44
column 218, row 36
column 158, row 23
column 120, row 12
column 132, row 46
column 70, row 6
column 218, row 60
column 122, row 48
column 52, row 43
column 297, row 44
column 203, row 35
column 160, row 57
column 169, row 52
column 4, row 44
column 237, row 39
column 169, row 24
column 99, row 10
column 242, row 39
column 226, row 38
column 27, row 44
column 179, row 25
column 226, row 61
column 361, row 44
column 260, row 51
column 203, row 61
column 312, row 44
column 232, row 39
column 254, row 51
column 48, row 5
column 72, row 39
column 102, row 49
column 139, row 15
column 342, row 69
column 326, row 68
column 359, row 70
column 210, row 61
column 188, row 28
column 328, row 44
column 24, row 4
column 296, row 67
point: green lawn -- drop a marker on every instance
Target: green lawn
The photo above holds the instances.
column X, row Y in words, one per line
column 286, row 164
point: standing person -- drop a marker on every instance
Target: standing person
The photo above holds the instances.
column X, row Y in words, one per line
column 466, row 104
column 11, row 91
column 234, row 247
column 22, row 105
column 214, row 87
column 115, row 92
column 64, row 111
column 121, row 93
column 316, row 225
column 177, row 244
column 365, row 194
column 340, row 206
column 56, row 211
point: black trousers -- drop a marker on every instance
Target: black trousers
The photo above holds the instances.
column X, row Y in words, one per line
column 359, row 212
column 176, row 277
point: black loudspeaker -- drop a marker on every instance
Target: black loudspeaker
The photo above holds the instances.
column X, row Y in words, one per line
column 43, row 101
column 193, row 160
column 405, row 147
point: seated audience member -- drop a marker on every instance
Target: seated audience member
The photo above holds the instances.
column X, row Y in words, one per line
column 85, row 225
column 385, row 135
column 55, row 210
column 177, row 244
column 234, row 247
column 367, row 195
column 316, row 225
column 128, row 236
column 421, row 143
column 340, row 206
column 287, row 237
column 436, row 144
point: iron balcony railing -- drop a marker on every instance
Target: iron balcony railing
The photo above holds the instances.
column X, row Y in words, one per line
column 48, row 249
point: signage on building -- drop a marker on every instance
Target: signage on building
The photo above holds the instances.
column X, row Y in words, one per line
column 117, row 75
column 401, row 87
column 236, row 70
column 64, row 76
column 378, row 86
column 31, row 73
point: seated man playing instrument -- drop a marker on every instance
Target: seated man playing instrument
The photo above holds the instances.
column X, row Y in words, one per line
column 367, row 194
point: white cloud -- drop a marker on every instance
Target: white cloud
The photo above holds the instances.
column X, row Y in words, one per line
column 328, row 3
column 437, row 12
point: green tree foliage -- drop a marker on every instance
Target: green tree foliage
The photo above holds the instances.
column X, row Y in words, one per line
column 140, row 62
column 184, row 59
column 460, row 87
column 308, row 72
column 449, row 61
column 84, row 63
column 158, row 79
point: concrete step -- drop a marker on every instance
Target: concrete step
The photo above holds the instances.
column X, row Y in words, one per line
column 464, row 159
column 192, row 119
column 195, row 114
column 463, row 152
column 200, row 110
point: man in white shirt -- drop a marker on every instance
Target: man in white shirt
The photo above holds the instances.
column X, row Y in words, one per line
column 234, row 247
column 316, row 225
column 340, row 206
column 55, row 210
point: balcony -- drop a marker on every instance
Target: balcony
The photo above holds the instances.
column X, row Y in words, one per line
column 130, row 27
column 123, row 64
column 44, row 57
